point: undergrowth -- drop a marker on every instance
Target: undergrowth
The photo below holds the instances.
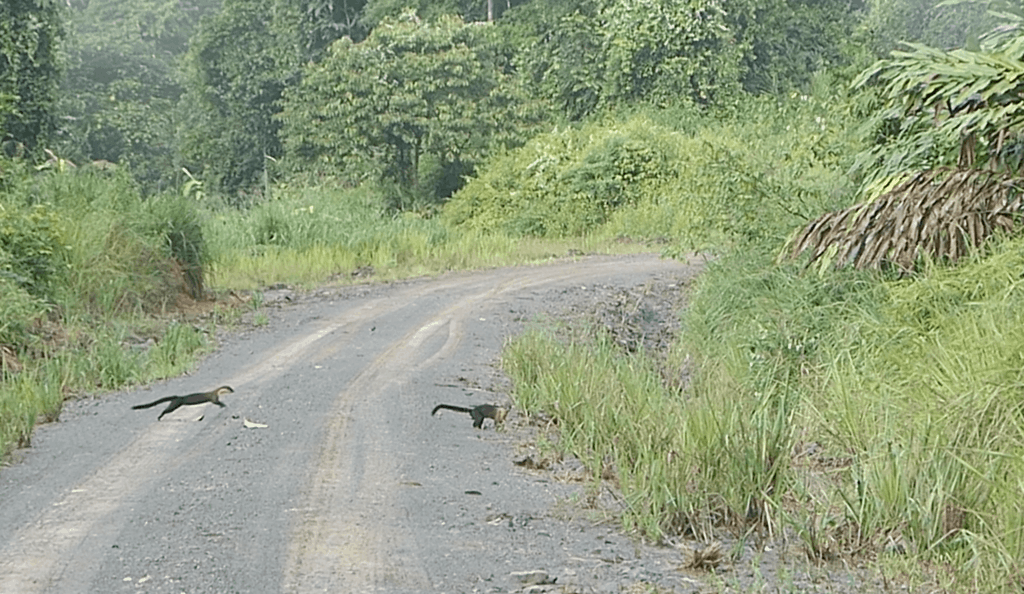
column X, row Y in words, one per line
column 701, row 180
column 87, row 271
column 312, row 235
column 855, row 414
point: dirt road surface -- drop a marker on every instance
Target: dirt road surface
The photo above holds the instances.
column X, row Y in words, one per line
column 342, row 482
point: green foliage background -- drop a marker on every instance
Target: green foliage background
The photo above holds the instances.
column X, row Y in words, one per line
column 278, row 150
column 237, row 68
column 676, row 174
column 121, row 89
column 417, row 105
column 30, row 35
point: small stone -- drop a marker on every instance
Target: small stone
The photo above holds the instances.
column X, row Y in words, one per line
column 533, row 578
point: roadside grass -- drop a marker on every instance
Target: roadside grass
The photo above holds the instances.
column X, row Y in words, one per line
column 23, row 399
column 685, row 464
column 868, row 417
column 935, row 427
column 102, row 359
column 317, row 235
column 88, row 275
column 111, row 282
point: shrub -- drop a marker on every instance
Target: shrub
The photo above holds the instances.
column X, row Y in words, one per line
column 744, row 176
column 174, row 221
column 35, row 253
column 18, row 309
column 568, row 181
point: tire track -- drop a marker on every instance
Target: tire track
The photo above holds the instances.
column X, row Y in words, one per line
column 348, row 534
column 350, row 537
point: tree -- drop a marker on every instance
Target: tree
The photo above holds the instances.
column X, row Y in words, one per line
column 605, row 53
column 788, row 41
column 470, row 10
column 595, row 54
column 560, row 54
column 958, row 107
column 236, row 69
column 665, row 50
column 30, row 33
column 122, row 87
column 416, row 105
column 315, row 24
column 936, row 23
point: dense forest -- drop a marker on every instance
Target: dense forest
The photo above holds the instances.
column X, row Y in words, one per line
column 237, row 91
column 852, row 355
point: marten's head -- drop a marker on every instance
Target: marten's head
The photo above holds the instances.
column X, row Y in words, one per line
column 499, row 415
column 222, row 391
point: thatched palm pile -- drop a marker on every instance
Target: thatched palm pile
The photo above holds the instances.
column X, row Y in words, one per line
column 942, row 212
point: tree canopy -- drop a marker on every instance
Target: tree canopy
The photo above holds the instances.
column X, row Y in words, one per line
column 237, row 67
column 122, row 87
column 416, row 101
column 155, row 85
column 30, row 36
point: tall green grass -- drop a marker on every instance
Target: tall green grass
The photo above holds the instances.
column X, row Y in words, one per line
column 87, row 268
column 312, row 235
column 862, row 415
column 937, row 441
column 91, row 359
column 684, row 464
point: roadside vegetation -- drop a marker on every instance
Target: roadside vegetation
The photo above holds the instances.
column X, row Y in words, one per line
column 849, row 372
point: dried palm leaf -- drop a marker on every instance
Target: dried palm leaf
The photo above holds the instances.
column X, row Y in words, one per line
column 942, row 212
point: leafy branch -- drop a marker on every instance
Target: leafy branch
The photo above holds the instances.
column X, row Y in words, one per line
column 950, row 107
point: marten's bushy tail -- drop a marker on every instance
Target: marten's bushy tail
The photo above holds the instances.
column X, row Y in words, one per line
column 154, row 403
column 461, row 409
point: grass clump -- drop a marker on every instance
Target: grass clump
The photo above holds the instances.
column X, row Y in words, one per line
column 933, row 419
column 85, row 265
column 662, row 175
column 684, row 465
column 859, row 414
column 613, row 414
column 905, row 432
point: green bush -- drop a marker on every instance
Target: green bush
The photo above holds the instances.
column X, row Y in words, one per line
column 749, row 175
column 31, row 239
column 300, row 218
column 84, row 247
column 87, row 240
column 567, row 182
column 412, row 91
column 18, row 309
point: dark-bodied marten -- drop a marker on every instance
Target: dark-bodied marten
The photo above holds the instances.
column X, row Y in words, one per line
column 197, row 398
column 479, row 413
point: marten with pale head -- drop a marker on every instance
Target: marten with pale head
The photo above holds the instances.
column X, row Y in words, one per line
column 198, row 398
column 479, row 413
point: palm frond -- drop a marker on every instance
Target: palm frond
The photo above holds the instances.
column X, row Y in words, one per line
column 942, row 212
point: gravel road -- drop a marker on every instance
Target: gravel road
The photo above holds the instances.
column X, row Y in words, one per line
column 342, row 481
